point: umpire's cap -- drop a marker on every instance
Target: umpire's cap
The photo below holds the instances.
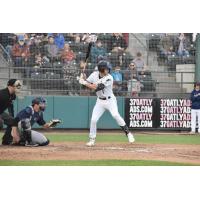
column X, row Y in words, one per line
column 103, row 65
column 14, row 83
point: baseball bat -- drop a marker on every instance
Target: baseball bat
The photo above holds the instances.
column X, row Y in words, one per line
column 87, row 55
column 93, row 39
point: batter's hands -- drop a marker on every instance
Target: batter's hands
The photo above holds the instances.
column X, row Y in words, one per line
column 83, row 76
column 83, row 65
column 82, row 81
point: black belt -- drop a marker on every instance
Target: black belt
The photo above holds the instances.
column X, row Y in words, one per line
column 104, row 98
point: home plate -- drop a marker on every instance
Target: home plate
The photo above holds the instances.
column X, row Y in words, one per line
column 114, row 148
column 141, row 150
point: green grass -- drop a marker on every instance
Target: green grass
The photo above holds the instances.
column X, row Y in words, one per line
column 151, row 139
column 91, row 163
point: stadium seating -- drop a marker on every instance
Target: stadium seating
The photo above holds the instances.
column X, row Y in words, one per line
column 53, row 73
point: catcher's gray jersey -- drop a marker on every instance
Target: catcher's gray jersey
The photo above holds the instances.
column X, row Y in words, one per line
column 106, row 80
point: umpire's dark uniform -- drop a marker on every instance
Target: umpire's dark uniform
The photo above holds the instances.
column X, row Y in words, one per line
column 6, row 102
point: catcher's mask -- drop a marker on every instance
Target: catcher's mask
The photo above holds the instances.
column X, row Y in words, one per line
column 41, row 102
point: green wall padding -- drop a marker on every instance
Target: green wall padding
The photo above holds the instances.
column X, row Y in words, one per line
column 75, row 112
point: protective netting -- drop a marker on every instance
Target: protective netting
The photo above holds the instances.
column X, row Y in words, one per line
column 142, row 64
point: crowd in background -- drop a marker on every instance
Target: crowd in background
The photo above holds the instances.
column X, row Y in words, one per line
column 36, row 53
column 61, row 56
column 172, row 44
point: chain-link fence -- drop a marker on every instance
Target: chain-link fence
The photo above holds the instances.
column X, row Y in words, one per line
column 142, row 64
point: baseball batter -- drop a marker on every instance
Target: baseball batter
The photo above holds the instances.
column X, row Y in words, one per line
column 102, row 82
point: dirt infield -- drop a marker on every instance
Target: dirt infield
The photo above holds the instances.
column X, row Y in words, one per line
column 119, row 151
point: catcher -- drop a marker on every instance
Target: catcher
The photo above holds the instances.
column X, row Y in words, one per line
column 23, row 135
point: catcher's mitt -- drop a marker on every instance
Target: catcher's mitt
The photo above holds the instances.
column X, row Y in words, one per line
column 54, row 123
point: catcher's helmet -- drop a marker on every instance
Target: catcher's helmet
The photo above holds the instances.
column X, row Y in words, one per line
column 197, row 83
column 40, row 101
column 103, row 65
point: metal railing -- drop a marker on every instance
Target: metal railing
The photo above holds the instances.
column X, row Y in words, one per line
column 64, row 82
column 145, row 46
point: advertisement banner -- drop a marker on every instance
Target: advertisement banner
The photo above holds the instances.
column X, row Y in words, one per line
column 158, row 113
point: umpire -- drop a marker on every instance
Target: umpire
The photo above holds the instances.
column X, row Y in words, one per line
column 7, row 96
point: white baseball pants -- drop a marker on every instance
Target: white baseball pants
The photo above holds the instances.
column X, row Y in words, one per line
column 100, row 107
column 195, row 113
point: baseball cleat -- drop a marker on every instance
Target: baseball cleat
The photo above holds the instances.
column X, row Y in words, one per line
column 131, row 138
column 91, row 143
column 31, row 144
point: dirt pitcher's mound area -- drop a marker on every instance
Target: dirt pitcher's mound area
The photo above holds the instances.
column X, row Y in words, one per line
column 104, row 151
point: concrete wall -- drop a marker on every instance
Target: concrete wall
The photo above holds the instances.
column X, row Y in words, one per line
column 186, row 76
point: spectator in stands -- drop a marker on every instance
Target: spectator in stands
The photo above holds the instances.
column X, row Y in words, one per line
column 8, row 40
column 166, row 46
column 70, row 74
column 36, row 47
column 75, row 37
column 117, row 43
column 41, row 61
column 59, row 40
column 52, row 50
column 117, row 80
column 130, row 75
column 85, row 37
column 182, row 45
column 130, row 72
column 20, row 52
column 44, row 38
column 134, row 87
column 139, row 62
column 27, row 39
column 67, row 55
column 38, row 59
column 96, row 51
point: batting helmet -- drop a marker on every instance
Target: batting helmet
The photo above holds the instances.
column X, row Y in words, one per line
column 102, row 65
column 40, row 101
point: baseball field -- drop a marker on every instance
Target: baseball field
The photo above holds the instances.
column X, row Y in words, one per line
column 67, row 148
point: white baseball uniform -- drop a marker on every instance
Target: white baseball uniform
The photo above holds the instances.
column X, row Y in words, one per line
column 105, row 101
column 195, row 114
